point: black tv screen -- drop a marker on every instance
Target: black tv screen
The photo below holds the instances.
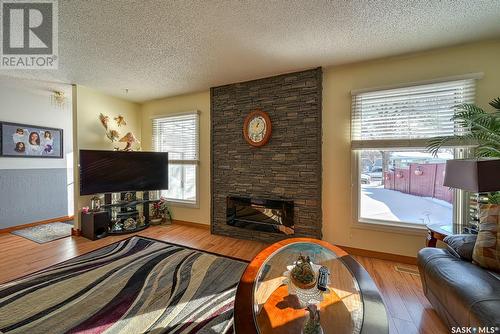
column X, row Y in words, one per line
column 115, row 171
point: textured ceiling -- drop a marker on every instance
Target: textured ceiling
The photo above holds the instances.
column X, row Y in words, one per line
column 164, row 47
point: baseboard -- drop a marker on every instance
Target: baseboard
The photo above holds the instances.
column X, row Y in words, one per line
column 41, row 222
column 380, row 255
column 183, row 222
column 77, row 232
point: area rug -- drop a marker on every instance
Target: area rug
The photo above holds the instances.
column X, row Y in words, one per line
column 138, row 285
column 46, row 232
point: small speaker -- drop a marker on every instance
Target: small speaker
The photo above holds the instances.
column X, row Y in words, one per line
column 95, row 224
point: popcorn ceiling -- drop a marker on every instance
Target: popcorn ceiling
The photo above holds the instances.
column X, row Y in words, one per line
column 164, row 48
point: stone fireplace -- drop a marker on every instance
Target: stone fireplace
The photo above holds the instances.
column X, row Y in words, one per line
column 271, row 192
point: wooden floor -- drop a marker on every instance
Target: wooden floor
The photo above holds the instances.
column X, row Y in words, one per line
column 409, row 311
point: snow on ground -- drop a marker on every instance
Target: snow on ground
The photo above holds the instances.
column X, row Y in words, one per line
column 385, row 204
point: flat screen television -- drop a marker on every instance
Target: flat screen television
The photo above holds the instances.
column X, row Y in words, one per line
column 115, row 171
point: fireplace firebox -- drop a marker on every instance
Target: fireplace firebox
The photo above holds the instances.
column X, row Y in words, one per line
column 260, row 214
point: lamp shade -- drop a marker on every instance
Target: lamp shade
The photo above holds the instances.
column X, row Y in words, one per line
column 479, row 176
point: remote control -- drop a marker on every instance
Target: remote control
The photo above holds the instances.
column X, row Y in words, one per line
column 323, row 278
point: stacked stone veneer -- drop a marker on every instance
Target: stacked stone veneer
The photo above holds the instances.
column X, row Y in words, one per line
column 288, row 167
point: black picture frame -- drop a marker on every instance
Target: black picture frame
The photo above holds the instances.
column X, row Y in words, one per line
column 6, row 152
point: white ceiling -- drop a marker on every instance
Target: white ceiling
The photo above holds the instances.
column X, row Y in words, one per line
column 158, row 48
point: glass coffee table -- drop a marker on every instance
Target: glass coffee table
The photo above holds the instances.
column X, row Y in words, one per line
column 350, row 304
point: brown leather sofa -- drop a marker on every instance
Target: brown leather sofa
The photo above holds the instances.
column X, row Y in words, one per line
column 462, row 293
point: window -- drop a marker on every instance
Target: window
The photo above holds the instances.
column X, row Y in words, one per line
column 179, row 136
column 398, row 181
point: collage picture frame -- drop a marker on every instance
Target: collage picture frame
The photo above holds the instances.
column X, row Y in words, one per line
column 19, row 140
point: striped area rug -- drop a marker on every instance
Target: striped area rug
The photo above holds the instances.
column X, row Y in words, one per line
column 138, row 285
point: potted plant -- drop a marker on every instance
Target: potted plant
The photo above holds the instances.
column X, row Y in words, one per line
column 161, row 212
column 483, row 132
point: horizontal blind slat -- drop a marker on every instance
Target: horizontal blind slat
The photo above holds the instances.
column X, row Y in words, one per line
column 415, row 112
column 177, row 135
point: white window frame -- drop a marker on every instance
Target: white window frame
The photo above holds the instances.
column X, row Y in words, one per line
column 178, row 202
column 459, row 199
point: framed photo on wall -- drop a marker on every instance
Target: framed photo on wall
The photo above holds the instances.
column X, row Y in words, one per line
column 30, row 141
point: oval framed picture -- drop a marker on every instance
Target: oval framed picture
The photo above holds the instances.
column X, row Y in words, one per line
column 257, row 128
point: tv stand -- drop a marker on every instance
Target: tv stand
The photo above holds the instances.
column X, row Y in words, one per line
column 114, row 213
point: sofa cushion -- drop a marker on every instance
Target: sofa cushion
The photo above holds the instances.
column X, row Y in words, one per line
column 463, row 293
column 461, row 245
column 487, row 248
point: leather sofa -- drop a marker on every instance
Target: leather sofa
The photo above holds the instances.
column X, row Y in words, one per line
column 462, row 293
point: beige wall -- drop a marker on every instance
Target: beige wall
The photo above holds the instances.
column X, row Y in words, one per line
column 337, row 83
column 191, row 102
column 88, row 131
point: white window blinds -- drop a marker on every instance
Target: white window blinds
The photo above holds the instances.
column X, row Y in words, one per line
column 407, row 116
column 179, row 136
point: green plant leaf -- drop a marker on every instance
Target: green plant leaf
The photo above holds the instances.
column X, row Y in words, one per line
column 496, row 103
column 494, row 198
column 480, row 128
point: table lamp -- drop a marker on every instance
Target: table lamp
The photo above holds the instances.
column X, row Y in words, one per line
column 479, row 176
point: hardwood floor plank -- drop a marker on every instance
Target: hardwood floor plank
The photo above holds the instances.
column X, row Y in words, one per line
column 404, row 297
column 408, row 309
column 392, row 327
column 380, row 271
column 405, row 327
column 428, row 316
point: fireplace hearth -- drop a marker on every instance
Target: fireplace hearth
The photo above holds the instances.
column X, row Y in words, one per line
column 274, row 216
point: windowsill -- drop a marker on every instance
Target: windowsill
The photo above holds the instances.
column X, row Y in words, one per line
column 183, row 204
column 386, row 226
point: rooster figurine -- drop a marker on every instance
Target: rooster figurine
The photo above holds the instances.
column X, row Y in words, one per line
column 302, row 274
